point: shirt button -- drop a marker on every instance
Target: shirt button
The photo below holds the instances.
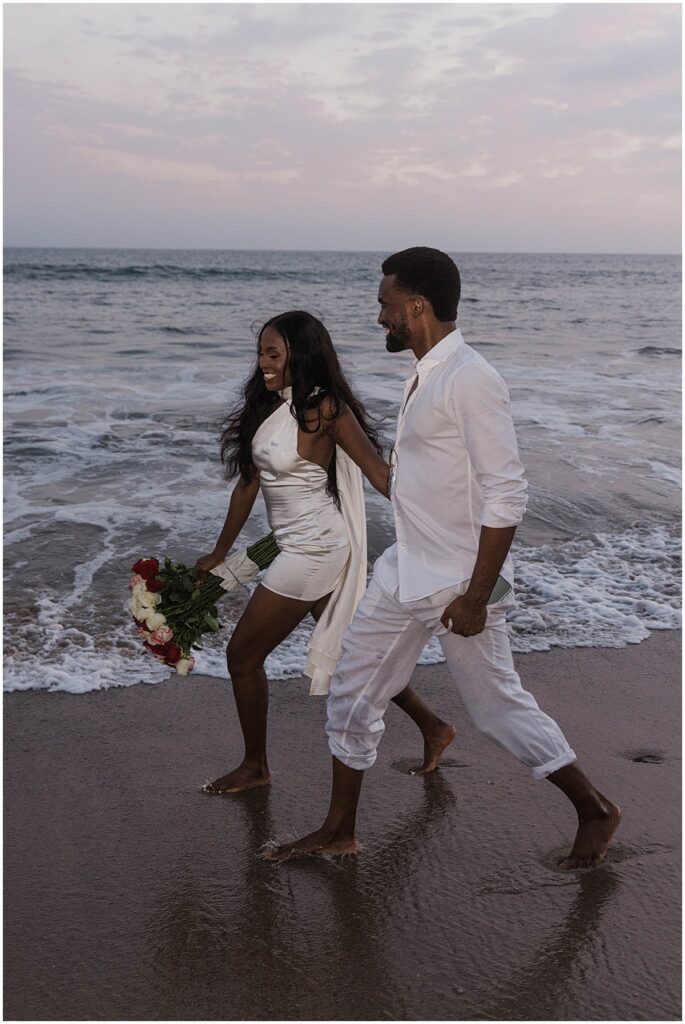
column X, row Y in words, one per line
column 403, row 546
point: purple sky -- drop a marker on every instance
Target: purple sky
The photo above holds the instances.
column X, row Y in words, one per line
column 491, row 127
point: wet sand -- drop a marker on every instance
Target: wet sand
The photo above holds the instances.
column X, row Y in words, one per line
column 131, row 895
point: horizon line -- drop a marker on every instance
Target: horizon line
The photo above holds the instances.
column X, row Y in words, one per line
column 475, row 252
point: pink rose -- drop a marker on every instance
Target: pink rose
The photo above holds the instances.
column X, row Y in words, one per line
column 136, row 579
column 161, row 635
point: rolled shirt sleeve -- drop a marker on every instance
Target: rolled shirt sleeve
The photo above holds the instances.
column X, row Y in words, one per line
column 480, row 402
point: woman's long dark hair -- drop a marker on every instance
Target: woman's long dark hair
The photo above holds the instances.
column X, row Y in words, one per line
column 313, row 365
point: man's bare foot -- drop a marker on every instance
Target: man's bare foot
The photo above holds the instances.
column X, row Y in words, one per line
column 319, row 842
column 592, row 839
column 240, row 779
column 435, row 743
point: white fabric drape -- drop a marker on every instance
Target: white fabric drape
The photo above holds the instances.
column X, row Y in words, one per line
column 325, row 646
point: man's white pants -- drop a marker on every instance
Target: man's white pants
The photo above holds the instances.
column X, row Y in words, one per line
column 380, row 650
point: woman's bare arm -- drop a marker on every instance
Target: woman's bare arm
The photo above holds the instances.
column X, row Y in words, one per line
column 239, row 508
column 346, row 431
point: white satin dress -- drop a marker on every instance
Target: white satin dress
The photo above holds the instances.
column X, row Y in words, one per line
column 322, row 548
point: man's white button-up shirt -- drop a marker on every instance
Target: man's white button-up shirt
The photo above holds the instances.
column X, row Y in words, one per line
column 457, row 468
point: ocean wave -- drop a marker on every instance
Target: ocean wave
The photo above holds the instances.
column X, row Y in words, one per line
column 671, row 474
column 604, row 590
column 155, row 271
column 658, row 350
column 111, row 440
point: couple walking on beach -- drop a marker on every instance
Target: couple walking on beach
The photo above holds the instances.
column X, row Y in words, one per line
column 457, row 489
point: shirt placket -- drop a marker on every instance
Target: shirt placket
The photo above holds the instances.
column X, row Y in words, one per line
column 408, row 398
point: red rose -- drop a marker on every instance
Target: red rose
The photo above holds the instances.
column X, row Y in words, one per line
column 154, row 585
column 157, row 652
column 146, row 567
column 172, row 653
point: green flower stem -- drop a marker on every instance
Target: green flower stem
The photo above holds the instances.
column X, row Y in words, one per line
column 210, row 592
column 263, row 551
column 186, row 610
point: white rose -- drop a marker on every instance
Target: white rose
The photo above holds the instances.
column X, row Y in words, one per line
column 154, row 620
column 184, row 666
column 145, row 597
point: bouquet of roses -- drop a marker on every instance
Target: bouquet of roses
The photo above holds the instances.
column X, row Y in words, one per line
column 172, row 607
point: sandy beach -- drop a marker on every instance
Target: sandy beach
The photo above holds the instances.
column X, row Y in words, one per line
column 131, row 895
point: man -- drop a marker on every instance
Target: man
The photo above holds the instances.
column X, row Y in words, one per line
column 458, row 494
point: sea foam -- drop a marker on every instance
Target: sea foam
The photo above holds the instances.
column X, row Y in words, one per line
column 604, row 590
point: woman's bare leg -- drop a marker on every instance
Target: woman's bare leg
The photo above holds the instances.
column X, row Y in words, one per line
column 268, row 619
column 437, row 735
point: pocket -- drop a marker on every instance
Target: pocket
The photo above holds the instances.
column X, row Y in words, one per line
column 438, row 603
column 500, row 592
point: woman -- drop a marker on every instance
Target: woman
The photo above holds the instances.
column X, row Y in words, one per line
column 302, row 436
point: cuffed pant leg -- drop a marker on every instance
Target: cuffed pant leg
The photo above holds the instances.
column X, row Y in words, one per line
column 483, row 670
column 381, row 647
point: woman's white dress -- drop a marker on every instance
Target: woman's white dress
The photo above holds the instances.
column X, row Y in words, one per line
column 322, row 548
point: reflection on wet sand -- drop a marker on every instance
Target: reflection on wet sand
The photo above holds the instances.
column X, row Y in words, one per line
column 545, row 989
column 363, row 893
column 223, row 950
column 278, row 943
column 140, row 898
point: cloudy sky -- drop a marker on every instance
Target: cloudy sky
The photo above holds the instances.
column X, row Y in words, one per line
column 472, row 127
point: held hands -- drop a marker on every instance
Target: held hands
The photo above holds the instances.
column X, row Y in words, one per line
column 465, row 616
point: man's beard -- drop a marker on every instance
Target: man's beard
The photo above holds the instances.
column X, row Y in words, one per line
column 398, row 337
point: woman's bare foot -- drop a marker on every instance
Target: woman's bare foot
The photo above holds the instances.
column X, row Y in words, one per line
column 592, row 839
column 241, row 778
column 435, row 743
column 320, row 842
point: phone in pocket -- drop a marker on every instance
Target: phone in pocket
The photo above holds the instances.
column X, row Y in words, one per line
column 499, row 591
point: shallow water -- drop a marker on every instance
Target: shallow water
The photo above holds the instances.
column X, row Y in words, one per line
column 120, row 363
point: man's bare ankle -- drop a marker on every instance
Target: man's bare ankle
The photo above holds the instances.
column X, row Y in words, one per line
column 341, row 831
column 599, row 809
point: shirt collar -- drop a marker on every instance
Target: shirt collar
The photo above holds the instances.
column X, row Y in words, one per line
column 440, row 352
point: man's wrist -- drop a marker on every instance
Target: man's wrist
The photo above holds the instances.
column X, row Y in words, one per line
column 477, row 597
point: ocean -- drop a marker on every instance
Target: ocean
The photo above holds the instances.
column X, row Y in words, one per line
column 119, row 365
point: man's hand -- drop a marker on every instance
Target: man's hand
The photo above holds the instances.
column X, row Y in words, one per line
column 465, row 616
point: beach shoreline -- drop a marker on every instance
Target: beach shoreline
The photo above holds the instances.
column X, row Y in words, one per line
column 132, row 895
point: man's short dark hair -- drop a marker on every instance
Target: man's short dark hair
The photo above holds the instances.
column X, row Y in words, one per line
column 427, row 272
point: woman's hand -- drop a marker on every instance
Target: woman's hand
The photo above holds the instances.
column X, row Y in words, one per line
column 206, row 563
